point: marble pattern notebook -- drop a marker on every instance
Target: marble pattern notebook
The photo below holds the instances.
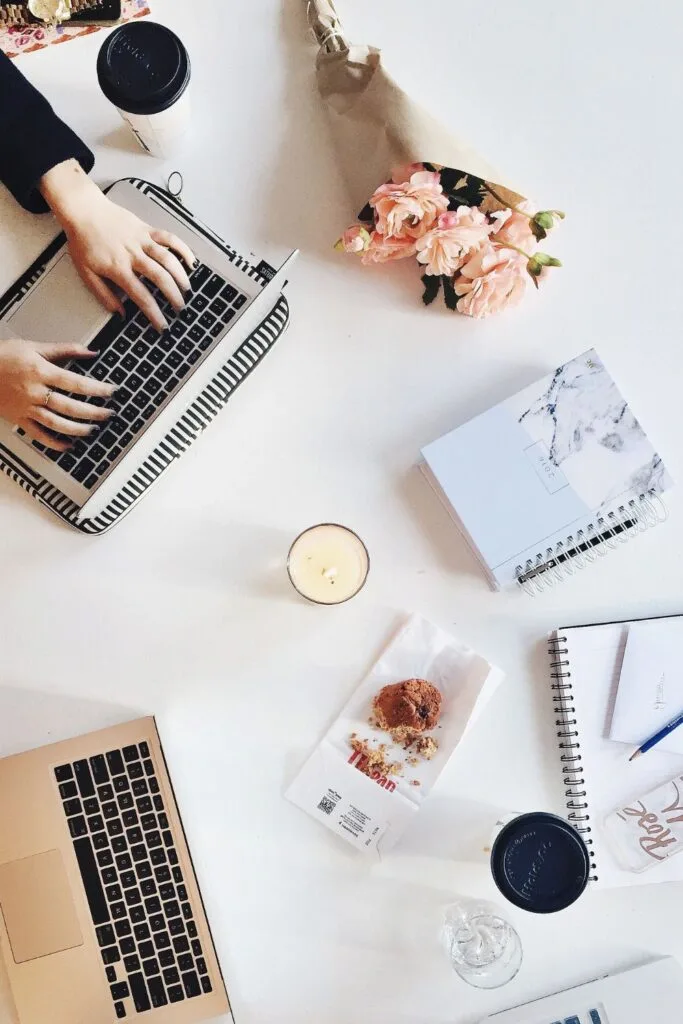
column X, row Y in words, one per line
column 541, row 481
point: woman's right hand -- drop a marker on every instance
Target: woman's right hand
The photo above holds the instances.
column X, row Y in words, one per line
column 31, row 386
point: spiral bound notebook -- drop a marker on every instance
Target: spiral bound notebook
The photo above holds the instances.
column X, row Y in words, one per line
column 542, row 483
column 585, row 665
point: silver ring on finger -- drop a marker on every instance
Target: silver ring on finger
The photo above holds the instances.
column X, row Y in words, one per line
column 48, row 396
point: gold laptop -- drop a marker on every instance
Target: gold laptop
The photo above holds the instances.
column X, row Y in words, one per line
column 102, row 918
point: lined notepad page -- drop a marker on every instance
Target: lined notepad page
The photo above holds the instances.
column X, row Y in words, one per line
column 595, row 655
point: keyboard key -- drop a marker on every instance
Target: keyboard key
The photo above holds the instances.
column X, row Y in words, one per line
column 153, row 786
column 157, row 922
column 120, row 990
column 218, row 306
column 142, row 931
column 229, row 293
column 115, row 762
column 157, row 856
column 117, row 375
column 148, row 821
column 134, row 382
column 162, row 940
column 118, row 845
column 109, row 877
column 111, row 955
column 185, row 962
column 182, row 892
column 163, row 874
column 207, row 320
column 77, row 826
column 156, row 356
column 110, row 810
column 72, row 807
column 139, row 992
column 148, row 412
column 177, row 329
column 212, row 287
column 175, row 994
column 119, row 1010
column 97, row 452
column 171, row 976
column 146, row 950
column 172, row 857
column 123, row 861
column 122, row 928
column 158, row 802
column 152, row 386
column 200, row 302
column 91, row 805
column 111, row 973
column 129, row 819
column 68, row 789
column 127, row 944
column 125, row 801
column 91, row 480
column 108, row 439
column 131, row 963
column 114, row 827
column 153, row 905
column 133, row 896
column 139, row 853
column 199, row 276
column 172, row 909
column 128, row 879
column 167, row 892
column 140, row 788
column 118, row 911
column 134, row 835
column 100, row 841
column 187, row 911
column 121, row 346
column 151, row 967
column 196, row 948
column 201, row 965
column 191, row 984
column 144, row 804
column 118, row 425
column 132, row 332
column 137, row 914
column 168, row 838
column 130, row 753
column 148, row 887
column 217, row 329
column 167, row 342
column 148, row 766
column 239, row 301
column 153, row 839
column 110, row 359
column 105, row 935
column 135, row 770
column 98, row 766
column 174, row 359
column 181, row 944
column 144, row 870
column 191, row 929
column 99, row 372
column 140, row 400
column 95, row 823
column 188, row 315
column 206, row 984
column 121, row 783
column 157, row 992
column 140, row 349
column 83, row 776
column 185, row 346
column 106, row 793
column 176, row 926
column 194, row 357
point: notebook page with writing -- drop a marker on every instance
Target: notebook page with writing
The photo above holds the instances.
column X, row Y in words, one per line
column 585, row 668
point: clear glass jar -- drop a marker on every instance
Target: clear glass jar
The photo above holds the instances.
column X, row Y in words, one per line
column 481, row 944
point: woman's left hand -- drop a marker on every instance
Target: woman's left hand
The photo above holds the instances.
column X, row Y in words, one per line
column 110, row 245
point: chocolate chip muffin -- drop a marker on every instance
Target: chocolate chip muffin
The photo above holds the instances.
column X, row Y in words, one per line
column 407, row 709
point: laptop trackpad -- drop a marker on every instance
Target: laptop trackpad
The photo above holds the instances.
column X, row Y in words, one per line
column 38, row 908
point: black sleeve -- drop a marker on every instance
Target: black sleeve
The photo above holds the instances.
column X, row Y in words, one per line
column 32, row 138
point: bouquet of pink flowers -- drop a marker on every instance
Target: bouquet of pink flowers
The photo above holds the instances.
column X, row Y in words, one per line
column 472, row 239
column 475, row 241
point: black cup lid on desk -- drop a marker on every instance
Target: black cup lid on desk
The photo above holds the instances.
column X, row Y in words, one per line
column 143, row 67
column 540, row 863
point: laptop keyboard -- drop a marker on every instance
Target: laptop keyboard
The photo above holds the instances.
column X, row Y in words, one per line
column 147, row 367
column 126, row 853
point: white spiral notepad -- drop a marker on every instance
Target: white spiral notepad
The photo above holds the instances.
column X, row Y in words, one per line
column 585, row 666
column 543, row 481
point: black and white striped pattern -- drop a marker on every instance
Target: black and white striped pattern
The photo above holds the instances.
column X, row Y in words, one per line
column 198, row 416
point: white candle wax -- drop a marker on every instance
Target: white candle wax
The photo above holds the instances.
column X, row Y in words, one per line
column 328, row 564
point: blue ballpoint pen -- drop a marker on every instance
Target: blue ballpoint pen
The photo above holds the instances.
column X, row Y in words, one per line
column 658, row 736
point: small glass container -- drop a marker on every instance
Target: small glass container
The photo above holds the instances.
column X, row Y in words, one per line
column 328, row 564
column 481, row 944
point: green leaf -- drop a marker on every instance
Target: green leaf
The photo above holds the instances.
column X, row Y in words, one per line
column 553, row 262
column 449, row 294
column 544, row 260
column 432, row 286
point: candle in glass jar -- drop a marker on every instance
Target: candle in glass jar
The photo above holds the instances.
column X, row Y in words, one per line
column 328, row 564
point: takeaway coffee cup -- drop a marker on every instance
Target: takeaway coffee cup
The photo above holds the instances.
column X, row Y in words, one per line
column 144, row 70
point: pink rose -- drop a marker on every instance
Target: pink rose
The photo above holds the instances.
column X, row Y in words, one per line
column 515, row 229
column 490, row 281
column 410, row 209
column 457, row 233
column 355, row 239
column 383, row 250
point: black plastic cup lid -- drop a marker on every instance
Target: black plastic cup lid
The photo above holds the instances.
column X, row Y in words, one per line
column 540, row 863
column 143, row 68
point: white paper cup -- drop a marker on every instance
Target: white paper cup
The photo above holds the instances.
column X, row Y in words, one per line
column 144, row 70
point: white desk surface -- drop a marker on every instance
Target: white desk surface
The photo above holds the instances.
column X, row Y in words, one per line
column 184, row 609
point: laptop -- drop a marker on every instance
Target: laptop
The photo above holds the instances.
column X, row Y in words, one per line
column 102, row 918
column 158, row 375
column 653, row 992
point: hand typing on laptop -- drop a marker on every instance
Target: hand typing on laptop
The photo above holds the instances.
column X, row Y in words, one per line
column 44, row 165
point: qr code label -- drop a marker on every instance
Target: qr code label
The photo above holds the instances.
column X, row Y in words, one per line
column 326, row 805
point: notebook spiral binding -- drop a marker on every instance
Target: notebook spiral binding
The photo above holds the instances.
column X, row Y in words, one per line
column 578, row 550
column 570, row 744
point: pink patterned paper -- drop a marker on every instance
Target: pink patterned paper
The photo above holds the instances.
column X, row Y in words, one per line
column 16, row 40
